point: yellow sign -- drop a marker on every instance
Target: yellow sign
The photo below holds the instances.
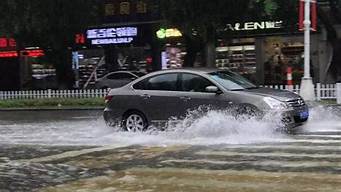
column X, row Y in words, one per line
column 166, row 33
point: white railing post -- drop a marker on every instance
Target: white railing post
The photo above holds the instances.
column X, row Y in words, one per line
column 49, row 95
column 338, row 93
column 318, row 91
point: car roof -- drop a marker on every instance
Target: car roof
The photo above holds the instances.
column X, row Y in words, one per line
column 190, row 70
column 124, row 72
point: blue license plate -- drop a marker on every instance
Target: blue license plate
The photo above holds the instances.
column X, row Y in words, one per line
column 304, row 115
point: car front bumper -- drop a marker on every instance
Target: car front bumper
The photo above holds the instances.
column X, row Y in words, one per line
column 295, row 117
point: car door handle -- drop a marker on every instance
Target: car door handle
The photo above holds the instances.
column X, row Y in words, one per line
column 185, row 98
column 145, row 96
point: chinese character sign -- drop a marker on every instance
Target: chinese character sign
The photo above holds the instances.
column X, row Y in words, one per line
column 122, row 11
column 79, row 38
column 109, row 9
column 125, row 8
column 8, row 43
column 3, row 43
column 141, row 7
column 118, row 35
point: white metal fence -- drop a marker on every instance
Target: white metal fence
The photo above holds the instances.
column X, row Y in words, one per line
column 322, row 91
column 82, row 93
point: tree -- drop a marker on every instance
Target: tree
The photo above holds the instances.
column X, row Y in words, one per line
column 50, row 25
column 198, row 20
column 331, row 18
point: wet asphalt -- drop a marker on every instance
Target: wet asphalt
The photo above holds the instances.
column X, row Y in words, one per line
column 75, row 151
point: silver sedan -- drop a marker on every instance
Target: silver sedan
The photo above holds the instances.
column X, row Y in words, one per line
column 162, row 95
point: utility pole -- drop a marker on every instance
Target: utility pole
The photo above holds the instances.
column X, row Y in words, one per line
column 307, row 86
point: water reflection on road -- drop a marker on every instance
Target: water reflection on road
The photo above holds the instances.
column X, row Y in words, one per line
column 74, row 150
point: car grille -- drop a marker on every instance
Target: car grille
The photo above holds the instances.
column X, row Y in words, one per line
column 296, row 103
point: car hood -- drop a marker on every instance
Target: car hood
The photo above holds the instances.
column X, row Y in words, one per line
column 281, row 95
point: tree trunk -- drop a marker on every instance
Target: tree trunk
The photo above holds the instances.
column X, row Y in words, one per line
column 62, row 62
column 210, row 47
column 192, row 49
column 337, row 58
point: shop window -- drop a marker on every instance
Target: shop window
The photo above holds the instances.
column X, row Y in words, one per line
column 173, row 56
column 238, row 58
column 281, row 53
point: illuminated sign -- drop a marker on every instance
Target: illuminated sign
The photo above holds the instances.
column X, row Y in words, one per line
column 8, row 43
column 115, row 35
column 80, row 38
column 33, row 53
column 250, row 26
column 8, row 54
column 166, row 33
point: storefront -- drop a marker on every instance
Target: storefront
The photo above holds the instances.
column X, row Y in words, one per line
column 24, row 69
column 112, row 48
column 263, row 51
column 173, row 48
column 36, row 71
column 9, row 65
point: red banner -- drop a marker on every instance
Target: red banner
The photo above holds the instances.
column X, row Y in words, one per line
column 313, row 10
column 301, row 16
column 314, row 16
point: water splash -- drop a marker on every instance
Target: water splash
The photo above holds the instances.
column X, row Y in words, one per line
column 324, row 119
column 198, row 128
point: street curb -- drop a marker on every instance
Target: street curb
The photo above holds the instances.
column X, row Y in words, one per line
column 52, row 109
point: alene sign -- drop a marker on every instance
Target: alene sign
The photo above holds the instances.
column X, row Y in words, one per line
column 250, row 26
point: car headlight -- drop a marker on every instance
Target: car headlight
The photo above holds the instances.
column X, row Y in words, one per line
column 275, row 104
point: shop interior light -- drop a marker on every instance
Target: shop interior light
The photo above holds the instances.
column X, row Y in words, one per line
column 222, row 49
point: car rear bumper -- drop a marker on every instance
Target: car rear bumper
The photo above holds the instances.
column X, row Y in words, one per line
column 111, row 117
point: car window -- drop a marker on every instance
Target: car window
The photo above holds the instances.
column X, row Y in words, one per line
column 165, row 82
column 194, row 83
column 231, row 81
column 120, row 76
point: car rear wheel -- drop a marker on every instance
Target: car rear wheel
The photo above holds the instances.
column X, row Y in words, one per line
column 134, row 122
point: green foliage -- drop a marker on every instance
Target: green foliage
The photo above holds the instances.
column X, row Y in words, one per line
column 270, row 6
column 201, row 15
column 50, row 24
column 47, row 23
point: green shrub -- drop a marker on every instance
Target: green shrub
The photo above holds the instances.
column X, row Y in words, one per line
column 53, row 102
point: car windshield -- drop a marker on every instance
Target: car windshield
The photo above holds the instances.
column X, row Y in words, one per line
column 231, row 81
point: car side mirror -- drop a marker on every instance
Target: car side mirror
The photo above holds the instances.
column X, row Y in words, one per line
column 133, row 78
column 213, row 89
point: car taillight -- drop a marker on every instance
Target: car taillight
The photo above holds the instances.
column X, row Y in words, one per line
column 108, row 98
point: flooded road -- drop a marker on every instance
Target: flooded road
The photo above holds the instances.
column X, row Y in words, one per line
column 74, row 151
